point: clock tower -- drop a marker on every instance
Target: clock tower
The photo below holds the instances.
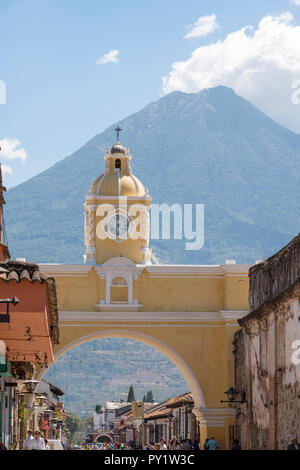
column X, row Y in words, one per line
column 117, row 222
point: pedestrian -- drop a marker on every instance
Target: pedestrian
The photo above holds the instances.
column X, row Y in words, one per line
column 14, row 444
column 2, row 446
column 212, row 444
column 46, row 445
column 38, row 442
column 94, row 446
column 174, row 444
column 156, row 446
column 187, row 445
column 294, row 445
column 236, row 445
column 163, row 445
column 195, row 444
column 29, row 441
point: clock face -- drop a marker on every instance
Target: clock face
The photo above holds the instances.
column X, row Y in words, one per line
column 118, row 226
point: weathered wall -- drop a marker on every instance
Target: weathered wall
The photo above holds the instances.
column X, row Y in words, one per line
column 275, row 275
column 265, row 370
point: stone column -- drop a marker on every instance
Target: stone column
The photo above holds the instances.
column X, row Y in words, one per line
column 213, row 423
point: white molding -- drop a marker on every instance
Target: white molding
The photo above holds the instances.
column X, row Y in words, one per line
column 129, row 313
column 197, row 270
column 139, row 325
column 215, row 417
column 118, row 307
column 233, row 314
column 65, row 269
column 154, row 271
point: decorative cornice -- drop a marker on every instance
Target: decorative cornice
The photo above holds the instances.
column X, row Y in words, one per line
column 155, row 271
column 117, row 308
column 213, row 417
column 229, row 315
column 66, row 269
column 129, row 313
column 197, row 270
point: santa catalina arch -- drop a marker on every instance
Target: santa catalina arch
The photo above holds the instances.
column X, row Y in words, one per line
column 188, row 312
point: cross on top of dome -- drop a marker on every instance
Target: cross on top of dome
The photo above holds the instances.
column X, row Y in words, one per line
column 117, row 147
column 118, row 130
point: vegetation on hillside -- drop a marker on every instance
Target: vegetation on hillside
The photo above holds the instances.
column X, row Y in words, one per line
column 103, row 370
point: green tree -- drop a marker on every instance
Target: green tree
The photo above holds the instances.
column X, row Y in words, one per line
column 98, row 408
column 131, row 394
column 87, row 425
column 148, row 398
column 73, row 425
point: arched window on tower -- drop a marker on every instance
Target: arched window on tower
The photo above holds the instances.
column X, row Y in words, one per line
column 118, row 164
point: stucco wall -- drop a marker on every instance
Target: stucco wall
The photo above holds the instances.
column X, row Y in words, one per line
column 265, row 369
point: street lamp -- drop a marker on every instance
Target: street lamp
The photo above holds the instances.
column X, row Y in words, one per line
column 5, row 318
column 232, row 394
column 40, row 399
column 30, row 385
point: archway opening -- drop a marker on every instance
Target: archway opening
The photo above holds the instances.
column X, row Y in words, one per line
column 102, row 370
column 146, row 356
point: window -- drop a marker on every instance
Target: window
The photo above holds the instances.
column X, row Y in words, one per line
column 118, row 164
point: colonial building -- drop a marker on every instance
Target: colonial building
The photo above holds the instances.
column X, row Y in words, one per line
column 189, row 313
column 268, row 354
column 173, row 417
column 49, row 413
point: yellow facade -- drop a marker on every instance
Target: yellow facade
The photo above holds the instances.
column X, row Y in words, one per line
column 189, row 313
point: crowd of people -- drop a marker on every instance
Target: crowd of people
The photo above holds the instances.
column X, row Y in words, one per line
column 35, row 441
column 173, row 444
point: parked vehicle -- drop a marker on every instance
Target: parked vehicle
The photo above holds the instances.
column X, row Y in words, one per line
column 55, row 445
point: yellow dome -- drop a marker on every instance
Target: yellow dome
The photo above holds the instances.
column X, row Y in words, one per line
column 112, row 184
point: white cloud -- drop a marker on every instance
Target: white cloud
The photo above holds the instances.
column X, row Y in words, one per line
column 296, row 2
column 6, row 169
column 11, row 150
column 111, row 56
column 259, row 64
column 202, row 27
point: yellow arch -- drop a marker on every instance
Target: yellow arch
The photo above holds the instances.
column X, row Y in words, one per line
column 170, row 353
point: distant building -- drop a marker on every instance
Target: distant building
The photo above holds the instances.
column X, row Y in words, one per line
column 49, row 413
column 173, row 417
column 267, row 358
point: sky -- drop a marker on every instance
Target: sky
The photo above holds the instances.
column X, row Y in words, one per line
column 71, row 68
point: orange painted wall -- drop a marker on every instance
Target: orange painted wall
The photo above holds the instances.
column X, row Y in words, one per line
column 31, row 313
